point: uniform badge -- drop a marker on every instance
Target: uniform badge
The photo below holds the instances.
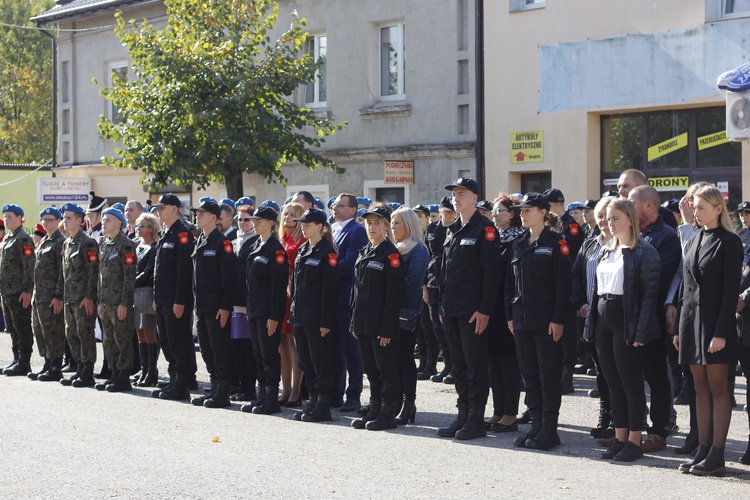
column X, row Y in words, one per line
column 573, row 229
column 227, row 246
column 28, row 251
column 280, row 256
column 395, row 260
column 333, row 259
column 564, row 249
column 489, row 233
column 93, row 256
column 129, row 259
column 183, row 238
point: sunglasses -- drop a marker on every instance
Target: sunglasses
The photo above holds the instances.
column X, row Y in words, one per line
column 245, row 219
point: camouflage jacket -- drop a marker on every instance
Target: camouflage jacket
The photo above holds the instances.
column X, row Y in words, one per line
column 16, row 263
column 80, row 267
column 117, row 271
column 48, row 272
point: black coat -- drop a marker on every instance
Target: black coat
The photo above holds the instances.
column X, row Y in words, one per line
column 145, row 266
column 315, row 287
column 434, row 239
column 378, row 291
column 215, row 273
column 173, row 269
column 573, row 234
column 711, row 286
column 267, row 275
column 743, row 317
column 242, row 252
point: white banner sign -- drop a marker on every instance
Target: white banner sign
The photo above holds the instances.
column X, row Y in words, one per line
column 56, row 191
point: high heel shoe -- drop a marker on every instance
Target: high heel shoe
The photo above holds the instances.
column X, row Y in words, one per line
column 408, row 412
column 284, row 401
column 292, row 404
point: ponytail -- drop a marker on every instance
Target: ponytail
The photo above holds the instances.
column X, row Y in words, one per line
column 327, row 234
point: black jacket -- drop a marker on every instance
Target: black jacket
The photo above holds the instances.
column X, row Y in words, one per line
column 145, row 268
column 242, row 252
column 378, row 291
column 434, row 239
column 315, row 287
column 743, row 317
column 267, row 275
column 580, row 285
column 215, row 282
column 537, row 285
column 173, row 269
column 639, row 299
column 573, row 233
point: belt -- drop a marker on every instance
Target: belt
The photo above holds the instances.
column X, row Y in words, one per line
column 609, row 297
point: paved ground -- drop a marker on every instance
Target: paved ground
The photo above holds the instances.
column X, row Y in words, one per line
column 62, row 442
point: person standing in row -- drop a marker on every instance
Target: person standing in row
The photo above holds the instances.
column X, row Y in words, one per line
column 214, row 284
column 267, row 273
column 117, row 271
column 537, row 299
column 315, row 294
column 16, row 287
column 707, row 339
column 471, row 271
column 80, row 263
column 147, row 233
column 743, row 333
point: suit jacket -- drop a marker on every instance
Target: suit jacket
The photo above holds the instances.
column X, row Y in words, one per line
column 350, row 240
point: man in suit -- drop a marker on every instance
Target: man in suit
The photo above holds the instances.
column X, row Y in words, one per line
column 224, row 222
column 350, row 238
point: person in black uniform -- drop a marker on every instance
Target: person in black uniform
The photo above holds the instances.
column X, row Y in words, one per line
column 173, row 297
column 537, row 299
column 470, row 274
column 707, row 339
column 743, row 333
column 214, row 284
column 267, row 273
column 315, row 294
column 376, row 303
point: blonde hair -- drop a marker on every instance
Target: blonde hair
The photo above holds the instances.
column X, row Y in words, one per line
column 627, row 207
column 152, row 222
column 411, row 222
column 602, row 205
column 296, row 233
column 713, row 196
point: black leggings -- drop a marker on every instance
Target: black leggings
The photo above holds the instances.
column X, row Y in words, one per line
column 408, row 370
column 622, row 366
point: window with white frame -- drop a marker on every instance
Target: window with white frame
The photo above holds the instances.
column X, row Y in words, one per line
column 116, row 70
column 316, row 92
column 392, row 48
column 519, row 5
column 731, row 8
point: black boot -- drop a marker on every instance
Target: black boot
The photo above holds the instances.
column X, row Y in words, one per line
column 447, row 367
column 566, row 382
column 547, row 437
column 270, row 404
column 165, row 386
column 121, row 382
column 15, row 361
column 198, row 401
column 372, row 414
column 69, row 381
column 535, row 419
column 248, row 408
column 152, row 372
column 408, row 412
column 458, row 423
column 105, row 372
column 700, row 454
column 745, row 459
column 430, row 369
column 180, row 391
column 605, row 419
column 220, row 398
column 111, row 380
column 22, row 367
column 712, row 465
column 386, row 418
column 690, row 444
column 54, row 373
column 35, row 375
column 310, row 406
column 321, row 412
column 86, row 378
column 139, row 376
column 525, row 418
column 474, row 426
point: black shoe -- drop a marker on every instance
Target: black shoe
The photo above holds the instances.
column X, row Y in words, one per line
column 337, row 402
column 20, row 368
column 545, row 440
column 525, row 418
column 350, row 405
column 593, row 393
column 700, row 454
column 86, row 378
column 35, row 375
column 363, row 410
column 629, row 453
column 498, row 427
column 103, row 385
column 458, row 423
column 449, row 379
column 472, row 429
column 178, row 392
column 408, row 412
column 386, row 418
column 712, row 465
column 270, row 405
column 690, row 444
column 536, row 426
column 372, row 414
column 54, row 373
column 429, row 370
column 566, row 382
column 745, row 459
column 613, row 450
column 220, row 398
column 121, row 383
column 599, row 433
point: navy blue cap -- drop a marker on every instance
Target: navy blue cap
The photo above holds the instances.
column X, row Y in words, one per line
column 72, row 207
column 447, row 204
column 744, row 206
column 51, row 211
column 466, row 183
column 208, row 205
column 13, row 208
column 313, row 215
column 266, row 212
column 554, row 195
column 116, row 213
column 380, row 211
column 271, row 204
column 533, row 200
column 590, row 204
column 168, row 199
column 484, row 205
column 422, row 208
column 245, row 200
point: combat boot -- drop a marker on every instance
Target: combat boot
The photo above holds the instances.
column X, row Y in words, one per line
column 430, row 369
column 15, row 361
column 386, row 419
column 139, row 376
column 165, row 386
column 105, row 373
column 447, row 367
column 100, row 386
column 270, row 404
column 547, row 437
column 35, row 375
column 372, row 414
column 309, row 407
column 535, row 419
column 248, row 408
column 54, row 373
column 121, row 383
column 180, row 391
column 69, row 381
column 321, row 412
column 220, row 397
column 22, row 367
column 566, row 382
column 474, row 426
column 199, row 400
column 458, row 423
column 152, row 372
column 86, row 378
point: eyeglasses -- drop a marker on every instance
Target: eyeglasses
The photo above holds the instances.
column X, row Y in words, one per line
column 49, row 220
column 341, row 205
column 245, row 219
column 498, row 212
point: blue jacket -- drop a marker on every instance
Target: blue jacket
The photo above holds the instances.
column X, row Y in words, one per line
column 667, row 244
column 349, row 242
column 415, row 268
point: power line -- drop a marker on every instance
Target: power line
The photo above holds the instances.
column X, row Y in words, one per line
column 67, row 30
column 24, row 176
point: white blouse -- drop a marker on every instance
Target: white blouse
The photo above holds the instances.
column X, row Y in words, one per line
column 610, row 274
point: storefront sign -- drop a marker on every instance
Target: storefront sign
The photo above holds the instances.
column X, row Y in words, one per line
column 724, row 188
column 399, row 172
column 56, row 190
column 527, row 147
column 669, row 183
column 711, row 140
column 668, row 146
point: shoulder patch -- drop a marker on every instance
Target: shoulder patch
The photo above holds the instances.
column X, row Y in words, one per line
column 183, row 238
column 564, row 249
column 129, row 259
column 28, row 250
column 280, row 256
column 333, row 259
column 395, row 260
column 489, row 233
column 227, row 246
column 93, row 256
column 574, row 229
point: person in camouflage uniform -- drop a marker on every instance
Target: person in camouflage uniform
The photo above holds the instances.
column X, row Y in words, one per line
column 47, row 320
column 117, row 271
column 81, row 272
column 16, row 285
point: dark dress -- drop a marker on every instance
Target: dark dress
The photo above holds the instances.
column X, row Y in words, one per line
column 711, row 271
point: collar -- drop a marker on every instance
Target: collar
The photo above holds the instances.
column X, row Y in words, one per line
column 650, row 227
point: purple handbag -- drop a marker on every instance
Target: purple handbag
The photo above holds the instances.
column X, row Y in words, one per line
column 240, row 326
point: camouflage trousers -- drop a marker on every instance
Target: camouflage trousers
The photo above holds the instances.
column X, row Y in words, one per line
column 79, row 330
column 18, row 324
column 49, row 330
column 117, row 337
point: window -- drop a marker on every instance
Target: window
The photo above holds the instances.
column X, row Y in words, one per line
column 730, row 8
column 519, row 5
column 463, row 119
column 463, row 77
column 536, row 183
column 463, row 24
column 316, row 93
column 66, row 121
column 118, row 71
column 65, row 81
column 392, row 61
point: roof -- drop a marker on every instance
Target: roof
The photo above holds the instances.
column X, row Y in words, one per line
column 71, row 8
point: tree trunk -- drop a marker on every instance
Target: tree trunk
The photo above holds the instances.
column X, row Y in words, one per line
column 233, row 182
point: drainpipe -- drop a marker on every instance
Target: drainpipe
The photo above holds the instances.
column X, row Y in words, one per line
column 479, row 79
column 54, row 96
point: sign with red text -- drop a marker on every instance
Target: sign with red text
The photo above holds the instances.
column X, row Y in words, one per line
column 399, row 172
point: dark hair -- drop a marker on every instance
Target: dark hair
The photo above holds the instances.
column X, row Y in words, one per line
column 351, row 200
column 227, row 208
column 508, row 201
column 327, row 234
column 307, row 196
column 248, row 209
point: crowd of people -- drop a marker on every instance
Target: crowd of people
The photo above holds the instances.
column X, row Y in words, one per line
column 298, row 303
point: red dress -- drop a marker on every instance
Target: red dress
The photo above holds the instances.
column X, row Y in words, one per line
column 291, row 251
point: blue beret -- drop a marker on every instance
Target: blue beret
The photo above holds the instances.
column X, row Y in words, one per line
column 576, row 205
column 319, row 203
column 207, row 198
column 434, row 208
column 153, row 209
column 245, row 200
column 331, row 220
column 13, row 208
column 119, row 206
column 116, row 213
column 361, row 212
column 364, row 201
column 50, row 211
column 331, row 200
column 288, row 201
column 72, row 207
column 394, row 205
column 227, row 201
column 272, row 204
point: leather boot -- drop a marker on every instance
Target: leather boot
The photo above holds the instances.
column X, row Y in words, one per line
column 139, row 376
column 474, row 426
column 220, row 398
column 605, row 419
column 180, row 391
column 372, row 414
column 15, row 361
column 458, row 423
column 54, row 373
column 547, row 437
column 69, row 381
column 270, row 404
column 35, row 375
column 386, row 419
column 248, row 408
column 121, row 383
column 690, row 444
column 535, row 419
column 310, row 406
column 321, row 412
column 430, row 369
column 165, row 386
column 447, row 367
column 151, row 376
column 712, row 465
column 111, row 380
column 199, row 400
column 86, row 378
column 700, row 454
column 20, row 368
column 408, row 412
column 566, row 382
column 105, row 373
column 70, row 365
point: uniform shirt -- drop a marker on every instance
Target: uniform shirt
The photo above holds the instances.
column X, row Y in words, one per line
column 315, row 286
column 80, row 268
column 16, row 263
column 573, row 233
column 610, row 274
column 48, row 271
column 470, row 268
column 267, row 277
column 117, row 271
column 744, row 235
column 173, row 269
column 434, row 239
column 215, row 273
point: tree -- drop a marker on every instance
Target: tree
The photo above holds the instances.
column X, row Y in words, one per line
column 25, row 84
column 211, row 96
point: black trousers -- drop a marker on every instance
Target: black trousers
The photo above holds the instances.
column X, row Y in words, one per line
column 408, row 370
column 245, row 368
column 381, row 366
column 314, row 359
column 18, row 323
column 540, row 361
column 470, row 360
column 505, row 375
column 426, row 338
column 433, row 295
column 569, row 339
column 176, row 339
column 216, row 346
column 656, row 372
column 622, row 366
column 601, row 382
column 266, row 351
column 743, row 356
